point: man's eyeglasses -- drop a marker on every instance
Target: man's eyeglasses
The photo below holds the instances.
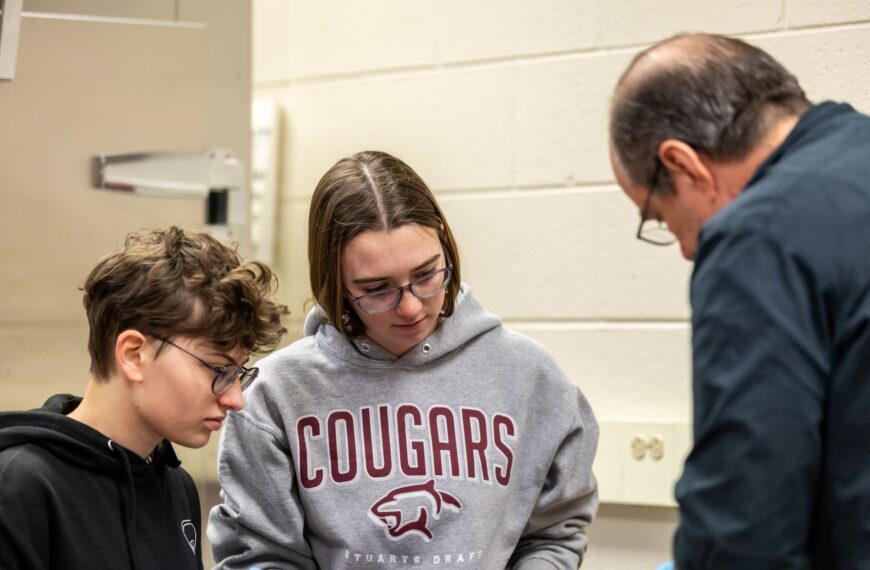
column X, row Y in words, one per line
column 422, row 287
column 654, row 231
column 225, row 376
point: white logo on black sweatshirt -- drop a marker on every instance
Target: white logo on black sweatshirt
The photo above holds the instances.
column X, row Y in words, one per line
column 189, row 532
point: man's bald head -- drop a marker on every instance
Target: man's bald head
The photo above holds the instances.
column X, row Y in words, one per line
column 717, row 94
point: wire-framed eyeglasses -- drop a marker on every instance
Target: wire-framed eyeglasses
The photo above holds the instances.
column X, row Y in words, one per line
column 654, row 231
column 225, row 376
column 422, row 287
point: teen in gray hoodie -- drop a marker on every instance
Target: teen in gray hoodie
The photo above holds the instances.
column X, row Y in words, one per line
column 408, row 428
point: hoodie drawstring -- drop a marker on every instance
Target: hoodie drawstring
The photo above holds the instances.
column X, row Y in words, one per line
column 128, row 514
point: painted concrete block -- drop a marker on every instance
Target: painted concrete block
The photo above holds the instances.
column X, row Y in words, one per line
column 292, row 259
column 453, row 128
column 562, row 119
column 565, row 255
column 38, row 360
column 829, row 63
column 630, row 371
column 308, row 39
column 269, row 40
column 489, row 29
column 815, row 12
column 634, row 22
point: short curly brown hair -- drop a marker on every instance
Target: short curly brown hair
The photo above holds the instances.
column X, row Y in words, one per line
column 171, row 282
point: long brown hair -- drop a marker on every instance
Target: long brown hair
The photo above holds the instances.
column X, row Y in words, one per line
column 369, row 191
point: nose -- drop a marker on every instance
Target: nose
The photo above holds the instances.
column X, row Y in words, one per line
column 409, row 305
column 232, row 399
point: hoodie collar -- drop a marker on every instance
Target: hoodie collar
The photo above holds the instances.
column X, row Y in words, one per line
column 75, row 442
column 468, row 321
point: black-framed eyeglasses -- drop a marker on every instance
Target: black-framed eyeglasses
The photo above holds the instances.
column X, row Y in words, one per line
column 225, row 376
column 654, row 231
column 422, row 287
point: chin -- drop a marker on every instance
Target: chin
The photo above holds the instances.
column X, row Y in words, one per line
column 688, row 251
column 193, row 442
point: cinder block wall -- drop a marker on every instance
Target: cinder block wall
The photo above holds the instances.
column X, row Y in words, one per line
column 502, row 108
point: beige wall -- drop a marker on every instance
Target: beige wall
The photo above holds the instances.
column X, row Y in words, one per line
column 116, row 77
column 501, row 107
column 101, row 76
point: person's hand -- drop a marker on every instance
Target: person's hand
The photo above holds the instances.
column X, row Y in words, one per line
column 666, row 566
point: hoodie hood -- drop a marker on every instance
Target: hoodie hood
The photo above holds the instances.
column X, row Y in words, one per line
column 74, row 442
column 468, row 322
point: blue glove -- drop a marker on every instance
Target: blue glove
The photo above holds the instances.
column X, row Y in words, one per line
column 666, row 566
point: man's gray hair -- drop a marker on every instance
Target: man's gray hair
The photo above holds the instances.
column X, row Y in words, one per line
column 719, row 95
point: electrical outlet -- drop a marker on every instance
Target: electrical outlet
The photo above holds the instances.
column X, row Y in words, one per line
column 638, row 463
column 643, row 446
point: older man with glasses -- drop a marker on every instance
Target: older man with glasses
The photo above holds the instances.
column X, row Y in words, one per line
column 721, row 151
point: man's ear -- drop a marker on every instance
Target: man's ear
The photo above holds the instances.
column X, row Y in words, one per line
column 131, row 354
column 684, row 163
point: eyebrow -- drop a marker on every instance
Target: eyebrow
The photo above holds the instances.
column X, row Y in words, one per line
column 429, row 261
column 230, row 360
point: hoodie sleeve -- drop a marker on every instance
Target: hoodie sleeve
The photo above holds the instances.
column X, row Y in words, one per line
column 261, row 522
column 555, row 536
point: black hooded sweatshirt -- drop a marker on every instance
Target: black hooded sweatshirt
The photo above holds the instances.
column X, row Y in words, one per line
column 71, row 498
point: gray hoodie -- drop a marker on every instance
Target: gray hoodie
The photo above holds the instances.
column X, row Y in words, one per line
column 472, row 449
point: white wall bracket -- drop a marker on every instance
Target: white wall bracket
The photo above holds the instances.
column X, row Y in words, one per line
column 214, row 176
column 169, row 174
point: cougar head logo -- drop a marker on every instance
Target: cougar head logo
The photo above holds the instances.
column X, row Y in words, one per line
column 388, row 511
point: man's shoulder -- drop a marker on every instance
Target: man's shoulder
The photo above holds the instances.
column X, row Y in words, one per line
column 799, row 210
